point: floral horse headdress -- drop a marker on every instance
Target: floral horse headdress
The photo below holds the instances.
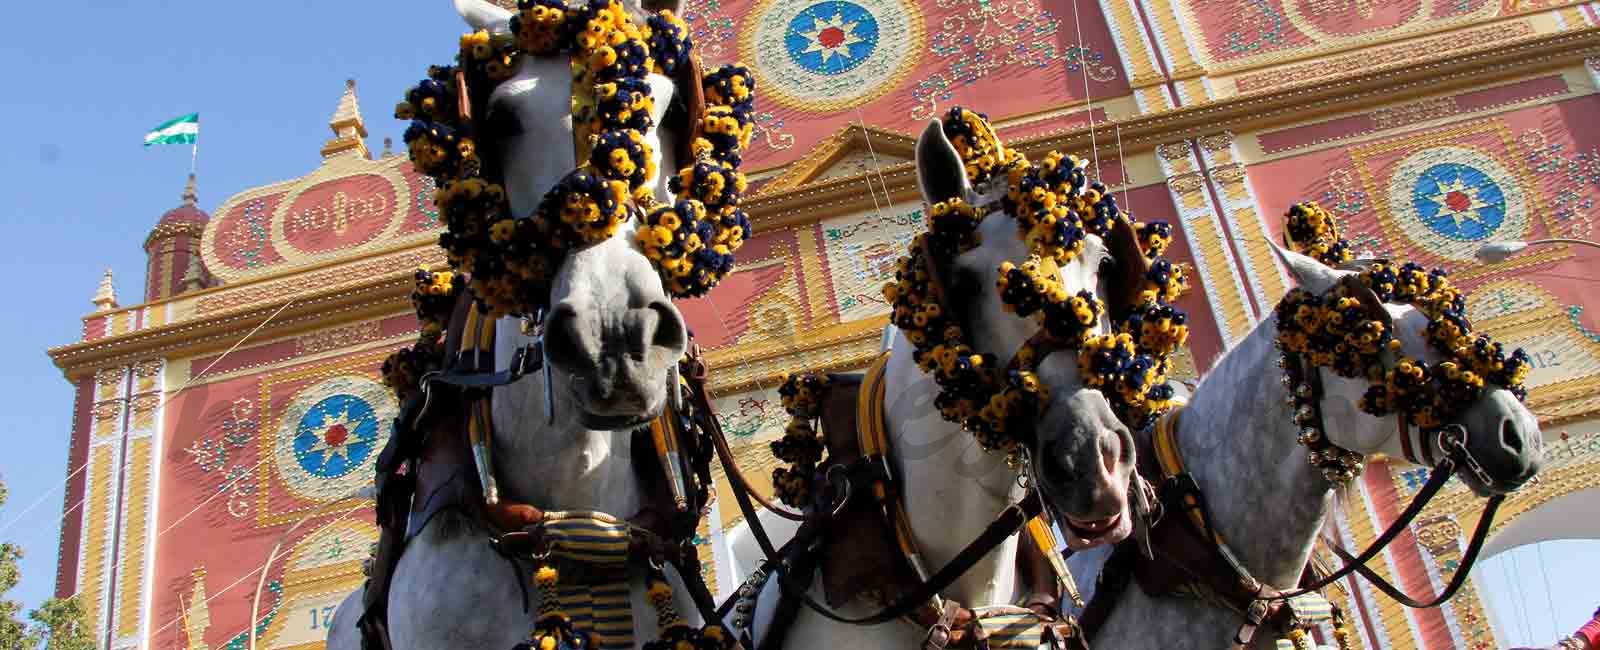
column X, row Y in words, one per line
column 1056, row 208
column 511, row 258
column 1346, row 330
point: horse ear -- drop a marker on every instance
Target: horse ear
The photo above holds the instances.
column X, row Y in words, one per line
column 674, row 6
column 1308, row 273
column 484, row 15
column 1131, row 266
column 940, row 172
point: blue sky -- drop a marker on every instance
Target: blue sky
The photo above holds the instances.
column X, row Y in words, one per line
column 87, row 79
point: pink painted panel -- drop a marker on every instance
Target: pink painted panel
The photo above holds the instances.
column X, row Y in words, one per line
column 824, row 64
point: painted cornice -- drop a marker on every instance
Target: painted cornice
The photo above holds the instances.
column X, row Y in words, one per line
column 381, row 295
column 1290, row 104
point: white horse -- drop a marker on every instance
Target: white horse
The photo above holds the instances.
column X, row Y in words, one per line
column 1238, row 439
column 951, row 488
column 613, row 337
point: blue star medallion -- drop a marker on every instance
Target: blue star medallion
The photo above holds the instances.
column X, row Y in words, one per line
column 1459, row 202
column 832, row 37
column 336, row 436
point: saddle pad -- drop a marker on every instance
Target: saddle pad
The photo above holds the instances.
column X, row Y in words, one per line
column 1309, row 609
column 1011, row 628
column 588, row 537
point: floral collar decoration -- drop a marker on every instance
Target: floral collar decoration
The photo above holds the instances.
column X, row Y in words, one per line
column 1344, row 330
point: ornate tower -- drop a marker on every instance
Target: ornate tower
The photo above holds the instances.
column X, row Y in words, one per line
column 173, row 250
column 105, row 297
column 349, row 130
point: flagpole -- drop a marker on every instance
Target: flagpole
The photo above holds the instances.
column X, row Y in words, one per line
column 194, row 152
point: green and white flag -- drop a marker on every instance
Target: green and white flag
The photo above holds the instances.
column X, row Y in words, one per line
column 182, row 130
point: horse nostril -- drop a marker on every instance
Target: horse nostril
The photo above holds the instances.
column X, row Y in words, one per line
column 1051, row 467
column 563, row 341
column 1509, row 436
column 1110, row 451
column 669, row 331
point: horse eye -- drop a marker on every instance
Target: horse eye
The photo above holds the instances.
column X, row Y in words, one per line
column 962, row 282
column 501, row 123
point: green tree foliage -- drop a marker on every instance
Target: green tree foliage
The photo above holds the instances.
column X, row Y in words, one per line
column 57, row 624
column 60, row 622
column 14, row 633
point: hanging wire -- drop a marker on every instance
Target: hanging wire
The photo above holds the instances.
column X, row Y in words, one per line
column 1521, row 597
column 1549, row 600
column 1127, row 177
column 877, row 209
column 1088, row 96
column 866, row 135
column 246, row 576
column 159, row 408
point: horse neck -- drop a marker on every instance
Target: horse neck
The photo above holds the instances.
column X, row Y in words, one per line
column 1238, row 439
column 951, row 489
column 561, row 465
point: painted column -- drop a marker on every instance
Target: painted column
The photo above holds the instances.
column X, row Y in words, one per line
column 1244, row 215
column 102, row 485
column 137, row 536
column 1203, row 230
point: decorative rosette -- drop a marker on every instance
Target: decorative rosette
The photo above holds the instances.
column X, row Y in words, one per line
column 978, row 145
column 669, row 42
column 800, row 445
column 1310, row 229
column 1333, row 330
column 511, row 258
column 1134, row 382
column 540, row 26
column 491, row 55
column 1154, row 237
column 433, row 298
column 1042, row 201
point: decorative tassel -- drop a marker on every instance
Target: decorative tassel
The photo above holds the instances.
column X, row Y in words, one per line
column 554, row 630
column 675, row 634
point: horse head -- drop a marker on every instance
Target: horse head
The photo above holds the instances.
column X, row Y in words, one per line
column 1502, row 446
column 1081, row 455
column 611, row 331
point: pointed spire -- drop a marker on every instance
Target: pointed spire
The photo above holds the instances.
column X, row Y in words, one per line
column 194, row 279
column 349, row 130
column 190, row 195
column 105, row 298
column 196, row 613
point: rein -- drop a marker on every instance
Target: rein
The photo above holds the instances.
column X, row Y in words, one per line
column 872, row 474
column 1259, row 602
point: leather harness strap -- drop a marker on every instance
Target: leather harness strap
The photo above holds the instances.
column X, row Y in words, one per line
column 1192, row 554
column 859, row 451
column 439, row 459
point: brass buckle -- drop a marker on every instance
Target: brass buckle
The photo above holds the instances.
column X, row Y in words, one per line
column 940, row 634
column 835, row 477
